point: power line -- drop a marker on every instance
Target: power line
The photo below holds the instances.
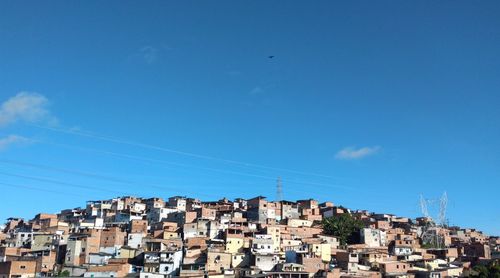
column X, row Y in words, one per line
column 151, row 160
column 64, row 170
column 92, row 175
column 61, row 183
column 40, row 189
column 158, row 148
column 143, row 159
column 43, row 179
column 101, row 176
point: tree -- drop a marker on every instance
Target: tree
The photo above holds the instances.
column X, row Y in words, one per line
column 64, row 273
column 343, row 226
column 492, row 270
column 481, row 270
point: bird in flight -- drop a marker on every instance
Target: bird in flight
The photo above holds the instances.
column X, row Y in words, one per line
column 270, row 57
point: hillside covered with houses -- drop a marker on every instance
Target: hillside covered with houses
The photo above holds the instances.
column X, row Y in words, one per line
column 187, row 237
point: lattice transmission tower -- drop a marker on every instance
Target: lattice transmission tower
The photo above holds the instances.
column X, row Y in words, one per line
column 433, row 231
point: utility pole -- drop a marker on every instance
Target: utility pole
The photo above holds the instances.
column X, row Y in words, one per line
column 279, row 190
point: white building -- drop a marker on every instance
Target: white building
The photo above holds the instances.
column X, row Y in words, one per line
column 73, row 251
column 134, row 240
column 266, row 262
column 178, row 203
column 100, row 258
column 263, row 244
column 159, row 214
column 373, row 237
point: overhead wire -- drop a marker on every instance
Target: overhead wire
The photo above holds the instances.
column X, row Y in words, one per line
column 161, row 161
column 123, row 193
column 104, row 177
column 169, row 150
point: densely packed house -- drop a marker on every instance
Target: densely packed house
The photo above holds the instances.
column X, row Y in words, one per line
column 185, row 237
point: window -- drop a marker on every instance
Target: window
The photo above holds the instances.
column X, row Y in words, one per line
column 22, row 267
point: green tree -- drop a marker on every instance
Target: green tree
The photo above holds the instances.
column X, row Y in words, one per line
column 492, row 270
column 482, row 271
column 344, row 227
column 64, row 274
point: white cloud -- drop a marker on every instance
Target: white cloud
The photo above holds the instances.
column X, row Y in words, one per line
column 149, row 54
column 233, row 72
column 256, row 91
column 27, row 107
column 12, row 140
column 353, row 153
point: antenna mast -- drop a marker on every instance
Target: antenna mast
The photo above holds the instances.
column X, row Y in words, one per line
column 279, row 190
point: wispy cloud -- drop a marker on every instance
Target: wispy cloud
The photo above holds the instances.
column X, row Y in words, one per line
column 28, row 107
column 256, row 91
column 350, row 153
column 233, row 72
column 259, row 96
column 149, row 54
column 10, row 140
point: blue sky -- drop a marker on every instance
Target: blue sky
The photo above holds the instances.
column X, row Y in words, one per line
column 367, row 104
